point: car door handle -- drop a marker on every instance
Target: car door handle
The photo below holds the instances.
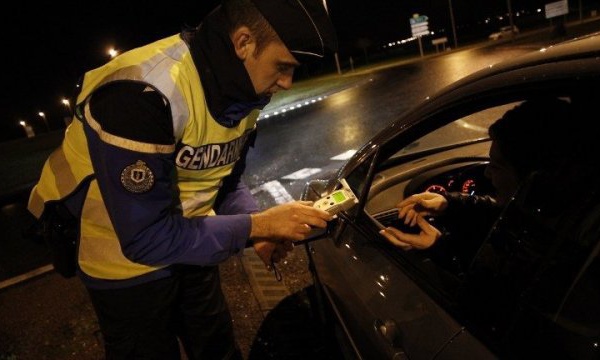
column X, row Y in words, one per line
column 388, row 330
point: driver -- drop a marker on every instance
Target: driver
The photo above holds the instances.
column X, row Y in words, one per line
column 524, row 140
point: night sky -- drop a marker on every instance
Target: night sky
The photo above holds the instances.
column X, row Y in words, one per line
column 47, row 47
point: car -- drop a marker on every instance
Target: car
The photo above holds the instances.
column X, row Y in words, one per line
column 504, row 32
column 533, row 287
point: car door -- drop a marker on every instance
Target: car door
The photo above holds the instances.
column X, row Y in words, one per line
column 533, row 288
column 385, row 315
column 381, row 295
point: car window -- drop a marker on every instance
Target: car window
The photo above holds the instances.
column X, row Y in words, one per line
column 470, row 127
column 466, row 137
column 442, row 267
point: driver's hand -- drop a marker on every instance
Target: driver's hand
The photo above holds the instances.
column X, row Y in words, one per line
column 428, row 235
column 422, row 204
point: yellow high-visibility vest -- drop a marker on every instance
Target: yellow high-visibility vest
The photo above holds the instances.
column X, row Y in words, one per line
column 207, row 151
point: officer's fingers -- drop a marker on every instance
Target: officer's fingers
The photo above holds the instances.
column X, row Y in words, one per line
column 288, row 245
column 311, row 216
column 276, row 257
column 264, row 250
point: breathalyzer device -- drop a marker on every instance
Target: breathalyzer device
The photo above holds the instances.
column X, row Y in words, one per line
column 338, row 200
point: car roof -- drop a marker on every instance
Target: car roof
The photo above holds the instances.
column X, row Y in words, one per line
column 533, row 71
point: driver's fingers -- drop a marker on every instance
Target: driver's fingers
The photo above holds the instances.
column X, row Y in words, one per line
column 402, row 210
column 394, row 240
column 411, row 217
column 427, row 228
column 423, row 240
column 409, row 201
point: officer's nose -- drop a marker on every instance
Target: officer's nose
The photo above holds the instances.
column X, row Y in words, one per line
column 285, row 81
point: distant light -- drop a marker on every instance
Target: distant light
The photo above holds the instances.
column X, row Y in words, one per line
column 22, row 123
column 112, row 52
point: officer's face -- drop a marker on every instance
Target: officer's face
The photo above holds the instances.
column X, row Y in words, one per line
column 272, row 69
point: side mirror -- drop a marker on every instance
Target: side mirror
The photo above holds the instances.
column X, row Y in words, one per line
column 314, row 190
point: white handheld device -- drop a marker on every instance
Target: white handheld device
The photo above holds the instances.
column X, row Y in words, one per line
column 338, row 200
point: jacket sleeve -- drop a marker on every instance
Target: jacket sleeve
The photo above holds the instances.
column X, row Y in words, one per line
column 133, row 139
column 467, row 221
column 234, row 196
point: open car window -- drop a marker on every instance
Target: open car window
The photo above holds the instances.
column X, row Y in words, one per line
column 450, row 158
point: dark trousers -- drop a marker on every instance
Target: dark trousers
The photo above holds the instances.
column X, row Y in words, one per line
column 144, row 321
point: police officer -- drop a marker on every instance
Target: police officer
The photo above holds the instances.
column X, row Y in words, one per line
column 151, row 167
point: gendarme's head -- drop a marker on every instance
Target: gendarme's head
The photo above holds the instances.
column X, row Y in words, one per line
column 273, row 37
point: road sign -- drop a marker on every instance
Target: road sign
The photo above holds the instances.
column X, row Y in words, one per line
column 419, row 25
column 557, row 8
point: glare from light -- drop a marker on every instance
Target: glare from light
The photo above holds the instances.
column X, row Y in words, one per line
column 291, row 107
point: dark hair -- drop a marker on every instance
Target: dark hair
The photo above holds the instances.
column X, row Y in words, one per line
column 244, row 13
column 534, row 134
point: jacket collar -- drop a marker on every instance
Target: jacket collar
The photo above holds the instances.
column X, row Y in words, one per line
column 229, row 92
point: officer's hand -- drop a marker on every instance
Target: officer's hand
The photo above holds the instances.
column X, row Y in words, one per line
column 291, row 221
column 269, row 251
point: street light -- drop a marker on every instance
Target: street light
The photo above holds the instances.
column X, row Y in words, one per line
column 28, row 129
column 112, row 52
column 67, row 104
column 68, row 118
column 43, row 116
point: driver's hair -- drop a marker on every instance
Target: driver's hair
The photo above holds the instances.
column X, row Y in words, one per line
column 534, row 135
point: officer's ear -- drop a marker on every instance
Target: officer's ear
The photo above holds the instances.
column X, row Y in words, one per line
column 243, row 42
